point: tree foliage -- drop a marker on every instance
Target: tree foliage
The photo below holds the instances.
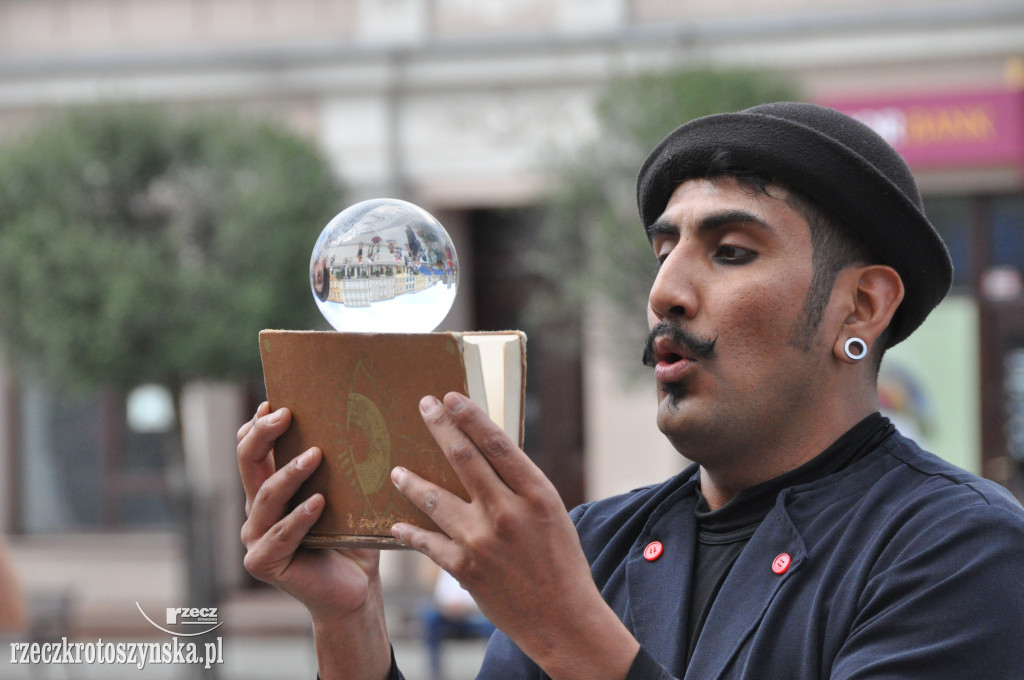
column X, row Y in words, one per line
column 592, row 246
column 139, row 248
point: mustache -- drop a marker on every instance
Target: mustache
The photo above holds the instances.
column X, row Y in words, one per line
column 701, row 348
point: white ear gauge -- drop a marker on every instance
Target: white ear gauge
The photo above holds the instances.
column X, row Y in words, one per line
column 856, row 349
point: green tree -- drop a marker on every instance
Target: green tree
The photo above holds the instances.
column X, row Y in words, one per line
column 136, row 247
column 591, row 244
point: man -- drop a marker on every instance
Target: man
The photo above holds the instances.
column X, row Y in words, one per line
column 13, row 610
column 808, row 540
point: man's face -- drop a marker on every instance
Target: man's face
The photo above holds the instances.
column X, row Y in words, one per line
column 728, row 347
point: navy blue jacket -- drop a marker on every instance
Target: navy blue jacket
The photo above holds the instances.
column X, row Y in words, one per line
column 900, row 566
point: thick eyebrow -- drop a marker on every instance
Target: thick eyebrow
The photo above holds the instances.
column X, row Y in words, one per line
column 661, row 227
column 708, row 223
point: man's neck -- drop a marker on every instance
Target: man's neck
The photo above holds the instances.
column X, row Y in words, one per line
column 720, row 483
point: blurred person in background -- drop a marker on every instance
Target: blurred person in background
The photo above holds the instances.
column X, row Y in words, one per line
column 13, row 615
column 452, row 614
column 809, row 538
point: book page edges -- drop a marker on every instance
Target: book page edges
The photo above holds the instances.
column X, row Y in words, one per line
column 496, row 363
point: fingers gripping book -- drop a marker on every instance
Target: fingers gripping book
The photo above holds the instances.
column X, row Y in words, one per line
column 356, row 397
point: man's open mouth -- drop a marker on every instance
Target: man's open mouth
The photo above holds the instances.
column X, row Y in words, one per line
column 670, row 350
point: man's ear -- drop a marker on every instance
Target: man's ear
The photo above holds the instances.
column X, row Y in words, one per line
column 871, row 293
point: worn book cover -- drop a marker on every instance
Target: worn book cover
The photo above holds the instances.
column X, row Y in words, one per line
column 356, row 397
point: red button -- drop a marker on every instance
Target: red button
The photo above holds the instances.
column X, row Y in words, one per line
column 781, row 563
column 653, row 551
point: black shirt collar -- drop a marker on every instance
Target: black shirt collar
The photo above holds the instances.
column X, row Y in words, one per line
column 749, row 507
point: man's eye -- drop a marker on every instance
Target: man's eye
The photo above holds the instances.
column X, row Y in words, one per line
column 727, row 254
column 661, row 254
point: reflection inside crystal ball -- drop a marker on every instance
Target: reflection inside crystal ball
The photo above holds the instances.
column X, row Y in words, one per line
column 384, row 266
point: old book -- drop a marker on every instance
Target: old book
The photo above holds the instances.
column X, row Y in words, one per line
column 356, row 397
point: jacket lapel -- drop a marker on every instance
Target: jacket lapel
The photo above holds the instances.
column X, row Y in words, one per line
column 749, row 589
column 659, row 589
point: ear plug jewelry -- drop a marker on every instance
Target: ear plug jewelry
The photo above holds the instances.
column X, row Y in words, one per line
column 856, row 349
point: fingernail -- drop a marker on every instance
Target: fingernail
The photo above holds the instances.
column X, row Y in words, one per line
column 429, row 404
column 456, row 402
column 305, row 460
column 396, row 531
column 312, row 504
column 276, row 416
column 396, row 475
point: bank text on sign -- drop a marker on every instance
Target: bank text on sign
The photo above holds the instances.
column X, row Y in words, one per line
column 947, row 130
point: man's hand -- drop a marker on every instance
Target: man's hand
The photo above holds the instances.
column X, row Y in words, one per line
column 513, row 547
column 341, row 589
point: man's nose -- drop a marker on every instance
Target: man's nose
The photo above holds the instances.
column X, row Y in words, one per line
column 673, row 294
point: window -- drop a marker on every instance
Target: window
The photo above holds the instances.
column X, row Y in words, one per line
column 86, row 462
column 1007, row 240
column 952, row 218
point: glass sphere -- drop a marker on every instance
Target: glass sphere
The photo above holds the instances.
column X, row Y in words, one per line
column 384, row 266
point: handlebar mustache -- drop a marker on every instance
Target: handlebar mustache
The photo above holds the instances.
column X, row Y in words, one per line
column 700, row 348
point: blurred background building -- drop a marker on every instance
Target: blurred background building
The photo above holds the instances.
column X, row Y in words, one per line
column 456, row 105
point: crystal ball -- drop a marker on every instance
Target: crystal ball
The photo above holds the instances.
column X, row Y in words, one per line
column 384, row 266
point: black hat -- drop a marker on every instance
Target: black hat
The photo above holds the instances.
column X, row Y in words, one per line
column 831, row 158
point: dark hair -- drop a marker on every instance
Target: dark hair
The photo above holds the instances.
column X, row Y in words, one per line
column 833, row 245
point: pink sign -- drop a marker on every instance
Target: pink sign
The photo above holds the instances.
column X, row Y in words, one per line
column 954, row 130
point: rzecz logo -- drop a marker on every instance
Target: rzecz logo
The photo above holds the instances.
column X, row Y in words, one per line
column 187, row 616
column 191, row 615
